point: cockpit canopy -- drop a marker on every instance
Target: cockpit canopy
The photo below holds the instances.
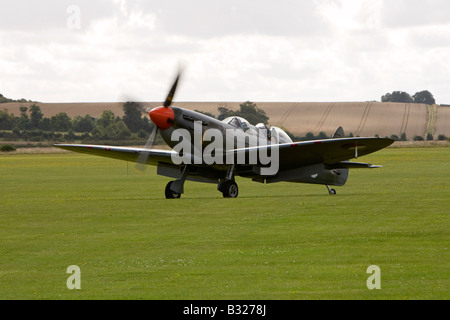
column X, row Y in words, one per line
column 238, row 122
column 279, row 136
column 274, row 134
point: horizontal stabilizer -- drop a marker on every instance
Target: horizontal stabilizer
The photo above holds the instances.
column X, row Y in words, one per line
column 352, row 165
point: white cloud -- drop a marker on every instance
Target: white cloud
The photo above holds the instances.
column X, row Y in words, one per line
column 352, row 15
column 410, row 13
column 330, row 50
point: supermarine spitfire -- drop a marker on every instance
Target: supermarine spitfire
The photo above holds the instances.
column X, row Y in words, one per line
column 205, row 149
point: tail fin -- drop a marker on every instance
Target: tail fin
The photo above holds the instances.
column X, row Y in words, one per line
column 339, row 133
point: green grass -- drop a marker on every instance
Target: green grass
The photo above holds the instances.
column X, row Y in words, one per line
column 279, row 241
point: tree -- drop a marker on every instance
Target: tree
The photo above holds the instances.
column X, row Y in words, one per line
column 147, row 126
column 132, row 117
column 253, row 114
column 83, row 124
column 386, row 98
column 106, row 118
column 61, row 122
column 224, row 113
column 23, row 111
column 4, row 99
column 98, row 132
column 425, row 97
column 310, row 136
column 70, row 136
column 247, row 110
column 23, row 120
column 118, row 130
column 397, row 96
column 403, row 137
column 7, row 121
column 45, row 124
column 122, row 130
column 322, row 135
column 35, row 116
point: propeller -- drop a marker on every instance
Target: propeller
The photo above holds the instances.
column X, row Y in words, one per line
column 162, row 117
column 143, row 156
column 172, row 91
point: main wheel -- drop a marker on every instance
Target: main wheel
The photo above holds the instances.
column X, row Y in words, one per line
column 230, row 189
column 171, row 194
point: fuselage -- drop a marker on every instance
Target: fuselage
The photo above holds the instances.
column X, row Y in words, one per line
column 236, row 132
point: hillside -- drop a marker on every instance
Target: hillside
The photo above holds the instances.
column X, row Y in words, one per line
column 359, row 118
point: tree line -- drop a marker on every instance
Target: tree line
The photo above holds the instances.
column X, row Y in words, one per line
column 4, row 99
column 132, row 127
column 32, row 125
column 424, row 96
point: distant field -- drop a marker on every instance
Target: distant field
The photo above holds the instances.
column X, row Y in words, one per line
column 280, row 241
column 359, row 118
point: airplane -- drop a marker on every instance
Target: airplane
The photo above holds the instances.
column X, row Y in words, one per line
column 212, row 151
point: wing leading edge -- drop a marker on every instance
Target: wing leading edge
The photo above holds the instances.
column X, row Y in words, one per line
column 121, row 153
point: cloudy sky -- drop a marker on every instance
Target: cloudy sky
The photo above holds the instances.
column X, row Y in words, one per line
column 258, row 50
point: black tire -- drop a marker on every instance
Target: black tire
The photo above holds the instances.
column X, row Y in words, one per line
column 170, row 194
column 230, row 189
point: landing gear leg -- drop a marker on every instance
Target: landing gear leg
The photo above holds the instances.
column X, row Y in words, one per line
column 331, row 191
column 175, row 189
column 228, row 186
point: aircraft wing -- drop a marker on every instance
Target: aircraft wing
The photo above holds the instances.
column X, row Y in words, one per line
column 121, row 153
column 333, row 152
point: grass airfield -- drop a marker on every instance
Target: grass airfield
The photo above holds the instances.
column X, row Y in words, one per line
column 278, row 241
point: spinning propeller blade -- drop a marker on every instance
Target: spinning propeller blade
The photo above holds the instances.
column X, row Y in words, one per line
column 143, row 157
column 162, row 117
column 172, row 91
